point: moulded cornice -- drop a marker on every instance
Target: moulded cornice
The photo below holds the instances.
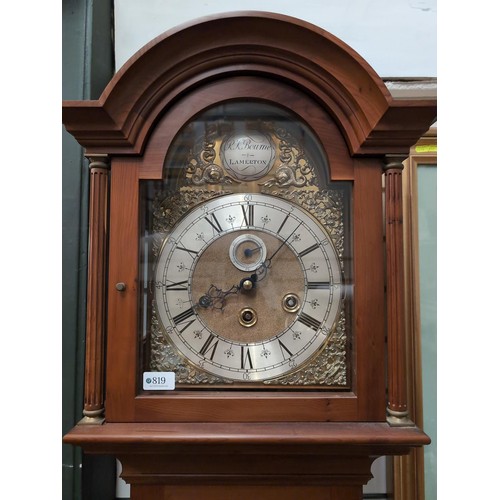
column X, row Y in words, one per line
column 248, row 43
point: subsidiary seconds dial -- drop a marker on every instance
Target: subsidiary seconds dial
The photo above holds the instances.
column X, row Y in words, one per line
column 248, row 287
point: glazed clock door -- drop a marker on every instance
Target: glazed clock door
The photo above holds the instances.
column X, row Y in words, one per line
column 238, row 280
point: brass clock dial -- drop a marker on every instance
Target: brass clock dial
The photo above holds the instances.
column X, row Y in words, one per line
column 248, row 287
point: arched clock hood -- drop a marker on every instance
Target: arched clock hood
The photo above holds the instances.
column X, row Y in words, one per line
column 260, row 44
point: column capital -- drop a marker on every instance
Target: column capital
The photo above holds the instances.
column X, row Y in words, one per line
column 99, row 161
column 394, row 162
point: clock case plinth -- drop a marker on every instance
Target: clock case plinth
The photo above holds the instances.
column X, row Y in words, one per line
column 302, row 444
column 266, row 460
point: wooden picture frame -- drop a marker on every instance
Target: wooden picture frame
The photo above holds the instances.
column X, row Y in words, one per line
column 408, row 471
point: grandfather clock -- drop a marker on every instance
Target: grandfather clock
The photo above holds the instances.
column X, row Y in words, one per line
column 245, row 322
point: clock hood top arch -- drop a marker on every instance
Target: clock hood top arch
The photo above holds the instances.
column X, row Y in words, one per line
column 271, row 46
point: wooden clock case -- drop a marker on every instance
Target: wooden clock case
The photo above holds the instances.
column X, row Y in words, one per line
column 215, row 444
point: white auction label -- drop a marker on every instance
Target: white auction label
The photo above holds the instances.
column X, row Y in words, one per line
column 158, row 381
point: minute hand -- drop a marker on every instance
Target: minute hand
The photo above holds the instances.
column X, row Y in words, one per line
column 268, row 261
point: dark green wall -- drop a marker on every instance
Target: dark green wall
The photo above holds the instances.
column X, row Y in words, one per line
column 87, row 66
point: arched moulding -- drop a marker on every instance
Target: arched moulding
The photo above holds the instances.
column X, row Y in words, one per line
column 270, row 46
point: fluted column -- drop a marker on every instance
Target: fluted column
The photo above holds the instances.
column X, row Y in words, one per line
column 93, row 409
column 397, row 408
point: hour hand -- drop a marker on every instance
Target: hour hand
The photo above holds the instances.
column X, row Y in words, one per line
column 215, row 297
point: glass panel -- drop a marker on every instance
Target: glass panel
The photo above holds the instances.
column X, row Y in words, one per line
column 427, row 227
column 246, row 257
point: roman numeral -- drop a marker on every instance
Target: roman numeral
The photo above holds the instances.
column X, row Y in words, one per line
column 283, row 223
column 179, row 286
column 283, row 349
column 192, row 253
column 246, row 358
column 318, row 285
column 183, row 316
column 248, row 214
column 209, row 347
column 309, row 250
column 214, row 223
column 309, row 321
column 187, row 325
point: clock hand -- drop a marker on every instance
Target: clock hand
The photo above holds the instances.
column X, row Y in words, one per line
column 268, row 261
column 249, row 251
column 216, row 297
column 261, row 272
column 267, row 264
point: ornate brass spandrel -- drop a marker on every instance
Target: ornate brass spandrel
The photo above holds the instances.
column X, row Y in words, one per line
column 205, row 166
column 328, row 368
column 165, row 358
column 170, row 206
column 327, row 205
column 293, row 168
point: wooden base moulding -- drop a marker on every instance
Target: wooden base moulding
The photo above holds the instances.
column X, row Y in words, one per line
column 247, row 460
